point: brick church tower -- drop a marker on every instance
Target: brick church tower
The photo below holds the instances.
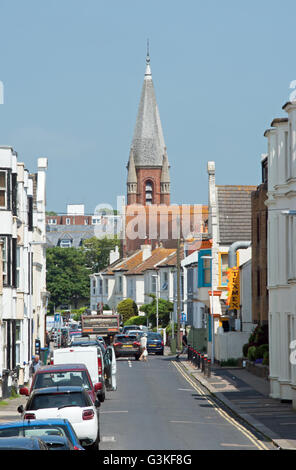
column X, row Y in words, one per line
column 148, row 180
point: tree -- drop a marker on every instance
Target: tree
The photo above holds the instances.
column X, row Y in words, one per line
column 127, row 308
column 67, row 276
column 164, row 309
column 97, row 251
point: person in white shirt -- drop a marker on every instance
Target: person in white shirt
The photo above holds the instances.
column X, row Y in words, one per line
column 144, row 352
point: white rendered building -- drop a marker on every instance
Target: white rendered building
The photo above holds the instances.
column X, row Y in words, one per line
column 281, row 251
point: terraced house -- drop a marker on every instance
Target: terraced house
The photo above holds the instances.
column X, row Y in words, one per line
column 22, row 236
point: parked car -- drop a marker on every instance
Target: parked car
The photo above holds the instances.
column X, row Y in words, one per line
column 22, row 443
column 55, row 442
column 63, row 375
column 72, row 403
column 126, row 346
column 65, row 340
column 138, row 333
column 155, row 343
column 75, row 334
column 40, row 429
column 125, row 329
column 101, row 341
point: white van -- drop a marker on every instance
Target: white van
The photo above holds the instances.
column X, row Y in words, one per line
column 79, row 355
column 89, row 356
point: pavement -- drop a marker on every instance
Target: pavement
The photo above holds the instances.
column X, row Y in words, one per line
column 8, row 408
column 247, row 396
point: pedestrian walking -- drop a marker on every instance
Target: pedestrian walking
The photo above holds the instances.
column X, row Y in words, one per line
column 144, row 352
column 184, row 345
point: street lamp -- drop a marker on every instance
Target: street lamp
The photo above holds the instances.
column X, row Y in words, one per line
column 157, row 293
column 212, row 309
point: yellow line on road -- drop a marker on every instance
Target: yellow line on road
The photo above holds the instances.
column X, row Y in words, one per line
column 225, row 415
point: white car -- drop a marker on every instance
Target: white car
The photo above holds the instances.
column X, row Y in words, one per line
column 72, row 403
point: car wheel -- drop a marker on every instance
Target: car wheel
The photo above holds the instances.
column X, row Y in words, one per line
column 102, row 397
column 95, row 445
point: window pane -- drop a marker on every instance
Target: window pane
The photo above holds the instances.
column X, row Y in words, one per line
column 224, row 268
column 2, row 198
column 2, row 179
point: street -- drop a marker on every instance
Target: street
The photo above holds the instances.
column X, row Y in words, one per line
column 156, row 407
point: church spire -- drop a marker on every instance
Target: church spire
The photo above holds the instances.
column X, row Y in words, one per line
column 148, row 69
column 148, row 141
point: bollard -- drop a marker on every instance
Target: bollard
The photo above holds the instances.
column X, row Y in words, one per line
column 202, row 363
column 198, row 360
column 189, row 353
column 209, row 368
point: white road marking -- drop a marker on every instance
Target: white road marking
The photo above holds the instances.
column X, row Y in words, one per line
column 236, row 445
column 198, row 422
column 105, row 412
column 129, row 364
column 108, row 439
column 185, row 389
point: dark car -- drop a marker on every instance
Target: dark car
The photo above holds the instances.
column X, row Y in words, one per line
column 41, row 428
column 63, row 375
column 130, row 327
column 22, row 443
column 155, row 343
column 127, row 346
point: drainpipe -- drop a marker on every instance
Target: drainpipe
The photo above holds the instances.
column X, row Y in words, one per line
column 232, row 252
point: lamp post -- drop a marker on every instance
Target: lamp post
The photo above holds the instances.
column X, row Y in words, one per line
column 212, row 309
column 157, row 294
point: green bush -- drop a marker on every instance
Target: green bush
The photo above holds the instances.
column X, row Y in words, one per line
column 266, row 358
column 139, row 320
column 251, row 353
column 127, row 308
column 245, row 349
column 261, row 350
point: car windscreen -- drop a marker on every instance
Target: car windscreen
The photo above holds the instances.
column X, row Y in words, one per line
column 154, row 336
column 58, row 400
column 63, row 379
column 36, row 431
column 125, row 339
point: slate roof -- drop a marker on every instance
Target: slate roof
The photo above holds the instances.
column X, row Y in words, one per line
column 234, row 213
column 77, row 233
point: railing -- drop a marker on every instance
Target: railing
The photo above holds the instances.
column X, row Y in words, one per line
column 199, row 360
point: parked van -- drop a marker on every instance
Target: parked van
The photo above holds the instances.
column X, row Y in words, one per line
column 91, row 357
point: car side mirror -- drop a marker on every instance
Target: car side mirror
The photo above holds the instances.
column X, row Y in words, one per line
column 98, row 386
column 20, row 409
column 24, row 391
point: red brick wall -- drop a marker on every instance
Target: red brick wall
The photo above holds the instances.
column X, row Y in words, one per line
column 153, row 175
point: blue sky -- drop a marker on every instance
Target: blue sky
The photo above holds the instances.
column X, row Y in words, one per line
column 73, row 72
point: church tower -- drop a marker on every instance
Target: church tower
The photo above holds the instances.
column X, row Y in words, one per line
column 148, row 180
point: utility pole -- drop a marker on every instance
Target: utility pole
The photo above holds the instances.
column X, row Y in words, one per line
column 178, row 288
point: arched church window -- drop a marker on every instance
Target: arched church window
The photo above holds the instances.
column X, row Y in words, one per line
column 148, row 192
